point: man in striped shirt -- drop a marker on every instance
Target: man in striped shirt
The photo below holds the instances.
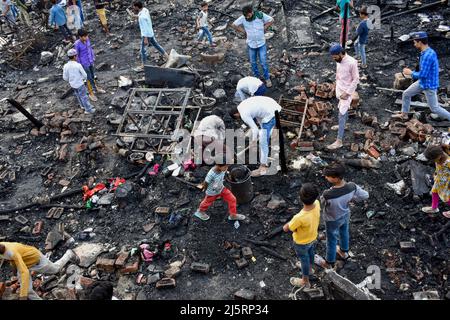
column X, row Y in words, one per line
column 427, row 78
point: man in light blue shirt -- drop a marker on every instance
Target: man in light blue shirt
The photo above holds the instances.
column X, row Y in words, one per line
column 58, row 19
column 147, row 34
column 6, row 10
column 254, row 23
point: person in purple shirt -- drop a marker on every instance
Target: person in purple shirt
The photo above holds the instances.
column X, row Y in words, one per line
column 86, row 58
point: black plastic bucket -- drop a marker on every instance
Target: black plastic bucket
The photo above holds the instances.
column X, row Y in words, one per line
column 240, row 183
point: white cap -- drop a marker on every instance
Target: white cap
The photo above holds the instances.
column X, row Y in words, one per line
column 72, row 52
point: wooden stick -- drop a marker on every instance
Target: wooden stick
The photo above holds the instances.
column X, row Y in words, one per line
column 388, row 89
column 303, row 121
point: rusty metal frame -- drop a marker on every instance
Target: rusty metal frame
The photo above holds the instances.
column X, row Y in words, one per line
column 169, row 108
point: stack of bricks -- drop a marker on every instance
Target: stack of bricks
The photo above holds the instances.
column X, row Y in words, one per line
column 412, row 129
column 317, row 111
column 325, row 90
column 111, row 265
column 417, row 131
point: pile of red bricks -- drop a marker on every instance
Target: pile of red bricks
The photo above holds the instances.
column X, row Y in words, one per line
column 412, row 129
column 110, row 265
column 317, row 111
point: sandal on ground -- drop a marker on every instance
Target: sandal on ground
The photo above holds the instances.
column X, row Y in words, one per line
column 201, row 215
column 430, row 210
column 446, row 214
column 345, row 256
column 297, row 282
column 237, row 216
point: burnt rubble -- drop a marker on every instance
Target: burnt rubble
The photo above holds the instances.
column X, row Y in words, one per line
column 101, row 184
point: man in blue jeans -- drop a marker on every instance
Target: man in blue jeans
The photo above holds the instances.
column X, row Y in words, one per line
column 254, row 23
column 427, row 78
column 147, row 34
column 336, row 212
column 58, row 20
column 263, row 110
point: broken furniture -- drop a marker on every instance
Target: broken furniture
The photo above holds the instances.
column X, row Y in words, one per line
column 154, row 118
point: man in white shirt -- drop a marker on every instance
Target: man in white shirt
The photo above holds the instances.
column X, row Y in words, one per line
column 254, row 23
column 74, row 73
column 248, row 87
column 263, row 110
column 147, row 33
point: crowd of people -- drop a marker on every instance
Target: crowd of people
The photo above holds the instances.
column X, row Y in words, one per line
column 258, row 112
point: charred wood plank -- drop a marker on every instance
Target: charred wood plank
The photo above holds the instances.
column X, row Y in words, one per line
column 22, row 110
column 272, row 253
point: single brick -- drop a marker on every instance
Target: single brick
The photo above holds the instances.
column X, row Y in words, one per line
column 166, row 283
column 407, row 246
column 38, row 227
column 162, row 210
column 241, row 263
column 130, row 268
column 122, row 259
column 105, row 264
column 200, row 267
column 373, row 152
column 247, row 252
column 86, row 282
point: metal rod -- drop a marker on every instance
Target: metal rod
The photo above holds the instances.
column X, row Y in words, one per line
column 322, row 14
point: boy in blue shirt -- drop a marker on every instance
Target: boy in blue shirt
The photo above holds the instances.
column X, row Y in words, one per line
column 362, row 33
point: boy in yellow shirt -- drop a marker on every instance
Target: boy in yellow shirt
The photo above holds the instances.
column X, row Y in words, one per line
column 304, row 226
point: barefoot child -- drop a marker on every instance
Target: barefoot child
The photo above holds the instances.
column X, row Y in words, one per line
column 336, row 212
column 441, row 187
column 304, row 227
column 214, row 187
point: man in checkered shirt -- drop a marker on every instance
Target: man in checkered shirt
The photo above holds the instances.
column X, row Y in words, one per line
column 427, row 78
